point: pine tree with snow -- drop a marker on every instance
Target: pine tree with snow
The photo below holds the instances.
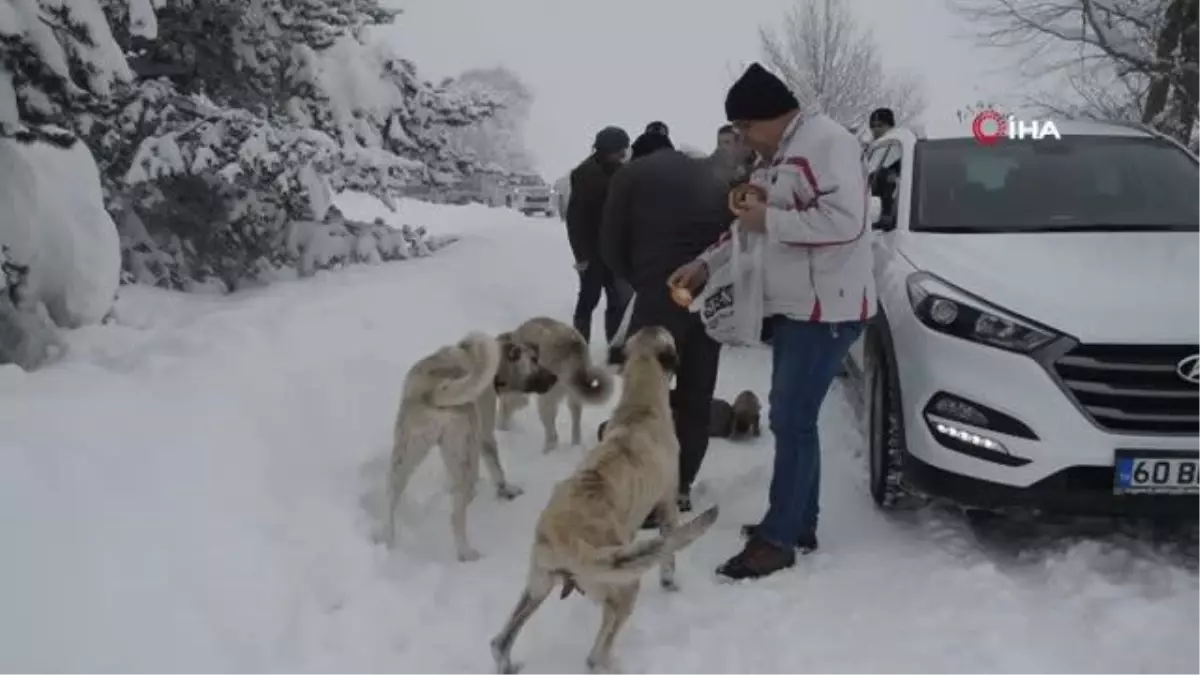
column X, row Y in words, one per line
column 59, row 252
column 258, row 114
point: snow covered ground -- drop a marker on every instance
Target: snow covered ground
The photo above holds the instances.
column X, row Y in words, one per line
column 191, row 489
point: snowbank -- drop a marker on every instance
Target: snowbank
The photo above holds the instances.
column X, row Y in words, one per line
column 55, row 224
column 60, row 250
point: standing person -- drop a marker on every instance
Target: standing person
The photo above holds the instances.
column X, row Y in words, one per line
column 664, row 209
column 589, row 190
column 881, row 121
column 819, row 291
column 732, row 160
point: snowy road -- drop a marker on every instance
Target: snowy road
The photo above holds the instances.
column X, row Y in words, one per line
column 186, row 492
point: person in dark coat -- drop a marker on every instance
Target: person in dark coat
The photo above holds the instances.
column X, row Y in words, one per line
column 589, row 190
column 663, row 210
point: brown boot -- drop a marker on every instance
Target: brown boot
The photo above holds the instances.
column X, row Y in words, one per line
column 758, row 559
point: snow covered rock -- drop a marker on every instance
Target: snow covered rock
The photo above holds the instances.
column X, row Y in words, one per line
column 56, row 231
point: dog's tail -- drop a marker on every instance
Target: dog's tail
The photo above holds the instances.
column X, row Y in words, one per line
column 627, row 563
column 591, row 383
column 483, row 356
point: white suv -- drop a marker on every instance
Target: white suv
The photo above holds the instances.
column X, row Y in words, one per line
column 1037, row 340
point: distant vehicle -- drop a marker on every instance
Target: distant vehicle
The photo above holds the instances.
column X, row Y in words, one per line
column 529, row 194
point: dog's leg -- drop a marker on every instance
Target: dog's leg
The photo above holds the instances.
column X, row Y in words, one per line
column 509, row 405
column 548, row 412
column 461, row 448
column 491, row 451
column 575, row 406
column 536, row 591
column 413, row 443
column 668, row 520
column 618, row 605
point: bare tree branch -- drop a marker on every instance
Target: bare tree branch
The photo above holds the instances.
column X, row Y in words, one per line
column 831, row 63
column 1128, row 59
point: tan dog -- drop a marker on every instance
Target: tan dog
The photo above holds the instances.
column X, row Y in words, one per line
column 449, row 400
column 585, row 537
column 746, row 419
column 563, row 351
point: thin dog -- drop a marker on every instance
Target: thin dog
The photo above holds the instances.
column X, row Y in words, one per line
column 449, row 400
column 562, row 350
column 585, row 537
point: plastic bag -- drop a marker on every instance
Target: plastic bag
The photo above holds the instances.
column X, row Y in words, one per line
column 731, row 304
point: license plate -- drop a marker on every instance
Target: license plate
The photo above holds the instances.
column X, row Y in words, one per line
column 1162, row 472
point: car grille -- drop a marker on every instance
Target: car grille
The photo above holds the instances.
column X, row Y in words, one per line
column 1132, row 388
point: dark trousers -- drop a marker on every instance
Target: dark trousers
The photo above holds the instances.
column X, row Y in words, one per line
column 592, row 280
column 699, row 355
column 805, row 357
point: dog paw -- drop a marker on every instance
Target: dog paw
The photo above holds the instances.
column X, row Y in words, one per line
column 550, row 446
column 509, row 492
column 669, row 585
column 469, row 555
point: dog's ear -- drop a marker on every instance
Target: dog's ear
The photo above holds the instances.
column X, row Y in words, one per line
column 668, row 358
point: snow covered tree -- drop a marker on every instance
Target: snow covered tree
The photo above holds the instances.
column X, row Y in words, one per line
column 56, row 59
column 498, row 141
column 59, row 253
column 246, row 118
column 831, row 63
column 1133, row 60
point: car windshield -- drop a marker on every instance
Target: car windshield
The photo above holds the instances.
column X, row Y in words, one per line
column 1076, row 183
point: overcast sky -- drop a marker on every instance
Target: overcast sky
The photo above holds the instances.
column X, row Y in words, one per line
column 627, row 62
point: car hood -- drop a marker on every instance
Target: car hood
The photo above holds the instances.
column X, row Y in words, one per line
column 1109, row 287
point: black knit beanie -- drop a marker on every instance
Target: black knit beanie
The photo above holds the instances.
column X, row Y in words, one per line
column 649, row 142
column 611, row 139
column 758, row 95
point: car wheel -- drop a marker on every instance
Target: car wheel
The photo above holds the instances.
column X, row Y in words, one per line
column 885, row 434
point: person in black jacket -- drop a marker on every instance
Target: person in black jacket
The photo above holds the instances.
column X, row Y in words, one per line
column 589, row 190
column 663, row 210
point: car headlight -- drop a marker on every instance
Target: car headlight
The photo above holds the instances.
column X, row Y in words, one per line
column 946, row 309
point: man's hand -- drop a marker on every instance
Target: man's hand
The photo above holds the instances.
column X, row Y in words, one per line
column 690, row 276
column 581, row 266
column 753, row 216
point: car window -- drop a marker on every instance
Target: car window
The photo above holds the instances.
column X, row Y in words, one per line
column 1077, row 182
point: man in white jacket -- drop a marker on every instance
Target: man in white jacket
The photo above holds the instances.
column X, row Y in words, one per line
column 819, row 292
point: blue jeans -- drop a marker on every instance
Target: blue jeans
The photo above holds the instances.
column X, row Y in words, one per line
column 806, row 357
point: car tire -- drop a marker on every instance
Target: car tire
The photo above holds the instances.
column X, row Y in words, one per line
column 885, row 432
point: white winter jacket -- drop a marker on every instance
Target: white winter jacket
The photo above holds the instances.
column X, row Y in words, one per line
column 817, row 261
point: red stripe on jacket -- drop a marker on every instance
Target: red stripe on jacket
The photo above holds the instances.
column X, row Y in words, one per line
column 805, row 168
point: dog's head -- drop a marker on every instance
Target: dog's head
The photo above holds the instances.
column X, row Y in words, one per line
column 654, row 342
column 519, row 369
